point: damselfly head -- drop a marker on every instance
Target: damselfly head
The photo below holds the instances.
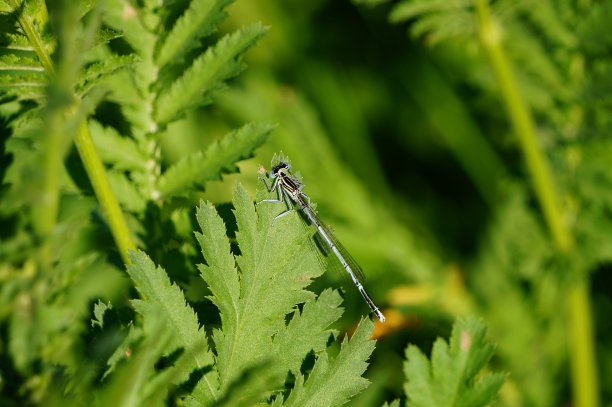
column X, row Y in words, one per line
column 278, row 168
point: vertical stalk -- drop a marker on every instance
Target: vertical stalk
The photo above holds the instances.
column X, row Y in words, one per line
column 582, row 353
column 584, row 369
column 25, row 22
column 53, row 156
column 106, row 198
column 46, row 212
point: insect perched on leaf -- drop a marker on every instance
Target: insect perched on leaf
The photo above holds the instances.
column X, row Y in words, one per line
column 289, row 190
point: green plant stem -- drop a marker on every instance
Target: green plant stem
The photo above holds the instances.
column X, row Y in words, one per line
column 49, row 201
column 582, row 353
column 520, row 117
column 584, row 369
column 53, row 158
column 97, row 175
column 46, row 212
column 25, row 22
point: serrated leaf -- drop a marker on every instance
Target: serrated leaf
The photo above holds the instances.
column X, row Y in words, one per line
column 451, row 380
column 100, row 309
column 438, row 27
column 207, row 73
column 22, row 88
column 21, row 77
column 124, row 16
column 198, row 21
column 159, row 295
column 275, row 267
column 220, row 157
column 6, row 7
column 137, row 381
column 12, row 63
column 408, row 9
column 332, row 382
column 308, row 330
column 119, row 151
column 438, row 19
column 92, row 74
column 123, row 350
column 245, row 391
column 126, row 192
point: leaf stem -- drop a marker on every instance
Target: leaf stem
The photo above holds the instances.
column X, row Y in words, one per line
column 584, row 368
column 46, row 212
column 53, row 157
column 582, row 353
column 25, row 22
column 97, row 175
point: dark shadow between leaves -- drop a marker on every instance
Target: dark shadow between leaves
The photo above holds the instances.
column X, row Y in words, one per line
column 189, row 385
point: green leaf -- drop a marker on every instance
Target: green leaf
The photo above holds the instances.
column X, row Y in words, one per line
column 220, row 157
column 198, row 21
column 245, row 391
column 21, row 75
column 161, row 298
column 252, row 307
column 408, row 9
column 125, row 348
column 13, row 63
column 275, row 267
column 124, row 16
column 102, row 69
column 308, row 330
column 137, row 382
column 119, row 151
column 100, row 309
column 438, row 19
column 6, row 7
column 451, row 377
column 208, row 73
column 126, row 192
column 333, row 381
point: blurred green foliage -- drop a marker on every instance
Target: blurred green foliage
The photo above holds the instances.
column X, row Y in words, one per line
column 397, row 115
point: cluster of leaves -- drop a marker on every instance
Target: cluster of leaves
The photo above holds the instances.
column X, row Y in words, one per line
column 436, row 127
column 450, row 379
column 263, row 340
column 559, row 53
column 62, row 68
column 103, row 83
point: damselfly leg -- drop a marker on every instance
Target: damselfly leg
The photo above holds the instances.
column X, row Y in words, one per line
column 289, row 191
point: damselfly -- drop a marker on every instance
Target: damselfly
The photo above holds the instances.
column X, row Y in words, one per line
column 289, row 190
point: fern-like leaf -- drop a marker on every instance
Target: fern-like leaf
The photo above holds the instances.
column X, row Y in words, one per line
column 263, row 335
column 308, row 330
column 198, row 21
column 160, row 296
column 450, row 379
column 332, row 382
column 276, row 267
column 99, row 70
column 220, row 157
column 137, row 382
column 125, row 17
column 408, row 9
column 22, row 77
column 438, row 19
column 126, row 192
column 207, row 73
column 121, row 152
